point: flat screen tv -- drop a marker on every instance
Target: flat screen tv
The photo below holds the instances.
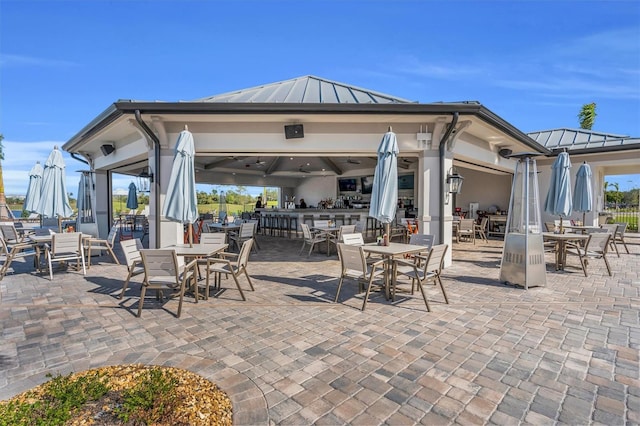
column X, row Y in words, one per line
column 405, row 182
column 347, row 184
column 367, row 184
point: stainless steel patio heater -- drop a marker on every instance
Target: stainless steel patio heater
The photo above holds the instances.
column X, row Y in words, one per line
column 523, row 254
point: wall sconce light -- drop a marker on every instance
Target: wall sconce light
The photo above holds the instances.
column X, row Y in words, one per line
column 107, row 149
column 145, row 179
column 454, row 183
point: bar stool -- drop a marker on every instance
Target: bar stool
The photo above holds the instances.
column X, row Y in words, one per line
column 353, row 218
column 372, row 224
column 284, row 223
column 325, row 217
column 293, row 225
column 307, row 219
column 339, row 218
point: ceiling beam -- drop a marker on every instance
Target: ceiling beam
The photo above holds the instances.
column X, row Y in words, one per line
column 273, row 166
column 333, row 166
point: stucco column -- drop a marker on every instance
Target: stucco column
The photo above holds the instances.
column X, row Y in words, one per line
column 102, row 203
column 429, row 198
column 170, row 232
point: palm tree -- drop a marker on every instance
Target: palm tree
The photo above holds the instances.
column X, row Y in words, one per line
column 5, row 213
column 587, row 116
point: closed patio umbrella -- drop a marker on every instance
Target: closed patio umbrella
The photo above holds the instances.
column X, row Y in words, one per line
column 559, row 201
column 181, row 204
column 582, row 194
column 86, row 199
column 54, row 199
column 32, row 199
column 132, row 197
column 384, row 194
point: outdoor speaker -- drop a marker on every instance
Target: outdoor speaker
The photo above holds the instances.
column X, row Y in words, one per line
column 107, row 149
column 293, row 131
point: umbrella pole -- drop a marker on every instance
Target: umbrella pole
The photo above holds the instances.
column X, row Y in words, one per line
column 387, row 230
column 59, row 224
column 584, row 215
column 561, row 230
column 190, row 235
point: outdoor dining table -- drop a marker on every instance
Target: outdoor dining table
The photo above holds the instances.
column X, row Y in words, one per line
column 330, row 232
column 561, row 241
column 582, row 228
column 39, row 241
column 221, row 227
column 388, row 253
column 196, row 251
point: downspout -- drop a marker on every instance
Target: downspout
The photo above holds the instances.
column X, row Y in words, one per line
column 156, row 181
column 75, row 157
column 441, row 148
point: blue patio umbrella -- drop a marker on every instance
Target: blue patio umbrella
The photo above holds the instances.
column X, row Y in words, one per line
column 32, row 199
column 54, row 199
column 559, row 201
column 583, row 194
column 132, row 197
column 384, row 193
column 181, row 203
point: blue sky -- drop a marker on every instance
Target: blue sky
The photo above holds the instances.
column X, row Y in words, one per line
column 534, row 63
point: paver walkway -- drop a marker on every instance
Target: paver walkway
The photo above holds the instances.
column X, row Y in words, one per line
column 566, row 353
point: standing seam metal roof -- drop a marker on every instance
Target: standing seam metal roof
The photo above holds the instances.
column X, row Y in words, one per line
column 578, row 139
column 307, row 89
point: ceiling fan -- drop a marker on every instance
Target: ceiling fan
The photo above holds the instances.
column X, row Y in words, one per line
column 301, row 170
column 259, row 163
column 352, row 161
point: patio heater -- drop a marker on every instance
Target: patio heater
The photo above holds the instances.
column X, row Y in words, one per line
column 523, row 253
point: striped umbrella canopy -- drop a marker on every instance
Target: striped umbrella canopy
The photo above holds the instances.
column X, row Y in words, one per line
column 54, row 199
column 384, row 194
column 583, row 193
column 132, row 197
column 181, row 204
column 32, row 199
column 559, row 201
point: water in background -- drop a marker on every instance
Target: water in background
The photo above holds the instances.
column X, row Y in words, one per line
column 17, row 213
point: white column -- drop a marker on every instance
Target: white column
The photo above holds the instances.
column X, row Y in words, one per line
column 170, row 232
column 102, row 204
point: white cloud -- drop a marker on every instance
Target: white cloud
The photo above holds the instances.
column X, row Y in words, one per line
column 9, row 60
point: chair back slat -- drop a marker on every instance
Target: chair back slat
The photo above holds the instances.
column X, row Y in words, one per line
column 159, row 263
column 131, row 250
column 246, row 230
column 306, row 232
column 321, row 223
column 9, row 232
column 352, row 258
column 598, row 242
column 421, row 240
column 214, row 238
column 346, row 229
column 245, row 250
column 67, row 242
column 354, row 239
column 436, row 258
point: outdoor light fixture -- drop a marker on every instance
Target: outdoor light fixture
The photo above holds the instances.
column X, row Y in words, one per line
column 454, row 183
column 107, row 149
column 145, row 179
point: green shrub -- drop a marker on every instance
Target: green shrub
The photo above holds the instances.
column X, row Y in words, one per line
column 152, row 400
column 62, row 397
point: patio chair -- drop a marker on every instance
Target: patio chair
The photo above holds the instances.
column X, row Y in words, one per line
column 133, row 259
column 596, row 247
column 213, row 238
column 481, row 229
column 10, row 233
column 466, row 229
column 354, row 239
column 611, row 228
column 222, row 264
column 102, row 244
column 64, row 247
column 311, row 238
column 246, row 232
column 163, row 272
column 9, row 251
column 619, row 235
column 423, row 268
column 353, row 264
column 344, row 229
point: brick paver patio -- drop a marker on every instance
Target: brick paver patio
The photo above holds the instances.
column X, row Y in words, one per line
column 566, row 353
